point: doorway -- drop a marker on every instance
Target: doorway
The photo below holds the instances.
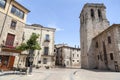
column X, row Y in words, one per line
column 4, row 60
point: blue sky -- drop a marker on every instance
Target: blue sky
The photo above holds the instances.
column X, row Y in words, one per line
column 64, row 16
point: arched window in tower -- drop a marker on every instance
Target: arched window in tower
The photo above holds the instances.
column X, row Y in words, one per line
column 92, row 13
column 99, row 13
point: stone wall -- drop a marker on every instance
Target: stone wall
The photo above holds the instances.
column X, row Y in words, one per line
column 89, row 28
column 110, row 48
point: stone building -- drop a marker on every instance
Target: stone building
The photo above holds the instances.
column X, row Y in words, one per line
column 92, row 22
column 45, row 56
column 99, row 41
column 12, row 22
column 107, row 48
column 58, row 54
column 67, row 56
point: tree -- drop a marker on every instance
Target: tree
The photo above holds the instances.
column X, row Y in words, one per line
column 31, row 45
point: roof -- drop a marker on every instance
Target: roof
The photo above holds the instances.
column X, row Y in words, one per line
column 39, row 25
column 109, row 28
column 64, row 46
column 21, row 6
column 93, row 5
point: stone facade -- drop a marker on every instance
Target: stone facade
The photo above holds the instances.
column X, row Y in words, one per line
column 11, row 29
column 67, row 56
column 92, row 22
column 42, row 58
column 107, row 48
column 99, row 42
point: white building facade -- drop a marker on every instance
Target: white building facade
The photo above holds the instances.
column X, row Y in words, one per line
column 45, row 56
column 67, row 56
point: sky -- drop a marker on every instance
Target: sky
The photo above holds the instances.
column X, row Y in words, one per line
column 64, row 16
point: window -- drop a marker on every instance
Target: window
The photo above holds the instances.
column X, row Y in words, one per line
column 77, row 60
column 73, row 60
column 39, row 62
column 17, row 12
column 46, row 49
column 99, row 13
column 54, row 50
column 111, row 56
column 2, row 3
column 98, row 57
column 13, row 24
column 73, row 55
column 67, row 62
column 92, row 13
column 109, row 39
column 44, row 60
column 10, row 39
column 47, row 37
column 96, row 45
column 77, row 55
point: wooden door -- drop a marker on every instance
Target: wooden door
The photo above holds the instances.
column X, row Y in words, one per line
column 11, row 62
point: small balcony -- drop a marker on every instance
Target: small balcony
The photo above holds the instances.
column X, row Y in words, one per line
column 46, row 40
column 9, row 49
column 8, row 46
column 47, row 55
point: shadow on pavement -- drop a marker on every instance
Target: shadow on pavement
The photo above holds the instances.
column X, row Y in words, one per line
column 98, row 70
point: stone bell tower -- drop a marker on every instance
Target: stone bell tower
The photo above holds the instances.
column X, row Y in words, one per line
column 92, row 22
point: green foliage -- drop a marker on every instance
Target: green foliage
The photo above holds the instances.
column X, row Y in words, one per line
column 32, row 43
column 22, row 47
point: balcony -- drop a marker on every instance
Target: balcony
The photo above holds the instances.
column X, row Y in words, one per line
column 47, row 55
column 7, row 48
column 46, row 40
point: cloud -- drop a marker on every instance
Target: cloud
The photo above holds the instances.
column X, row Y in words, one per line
column 55, row 26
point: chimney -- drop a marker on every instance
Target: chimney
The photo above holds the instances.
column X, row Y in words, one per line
column 75, row 46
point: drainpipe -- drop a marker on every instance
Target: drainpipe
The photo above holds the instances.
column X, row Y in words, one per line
column 40, row 46
column 5, row 18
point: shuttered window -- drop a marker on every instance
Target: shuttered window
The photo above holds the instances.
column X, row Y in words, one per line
column 10, row 39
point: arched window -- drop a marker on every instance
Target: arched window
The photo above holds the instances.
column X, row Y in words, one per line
column 99, row 13
column 92, row 13
column 111, row 56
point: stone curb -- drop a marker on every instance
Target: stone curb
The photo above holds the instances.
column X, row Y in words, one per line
column 11, row 73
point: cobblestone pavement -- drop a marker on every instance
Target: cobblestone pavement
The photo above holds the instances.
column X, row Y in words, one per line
column 65, row 74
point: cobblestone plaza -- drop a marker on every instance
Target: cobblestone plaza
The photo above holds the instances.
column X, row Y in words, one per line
column 64, row 74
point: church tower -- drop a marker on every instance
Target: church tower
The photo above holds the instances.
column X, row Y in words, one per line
column 92, row 22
